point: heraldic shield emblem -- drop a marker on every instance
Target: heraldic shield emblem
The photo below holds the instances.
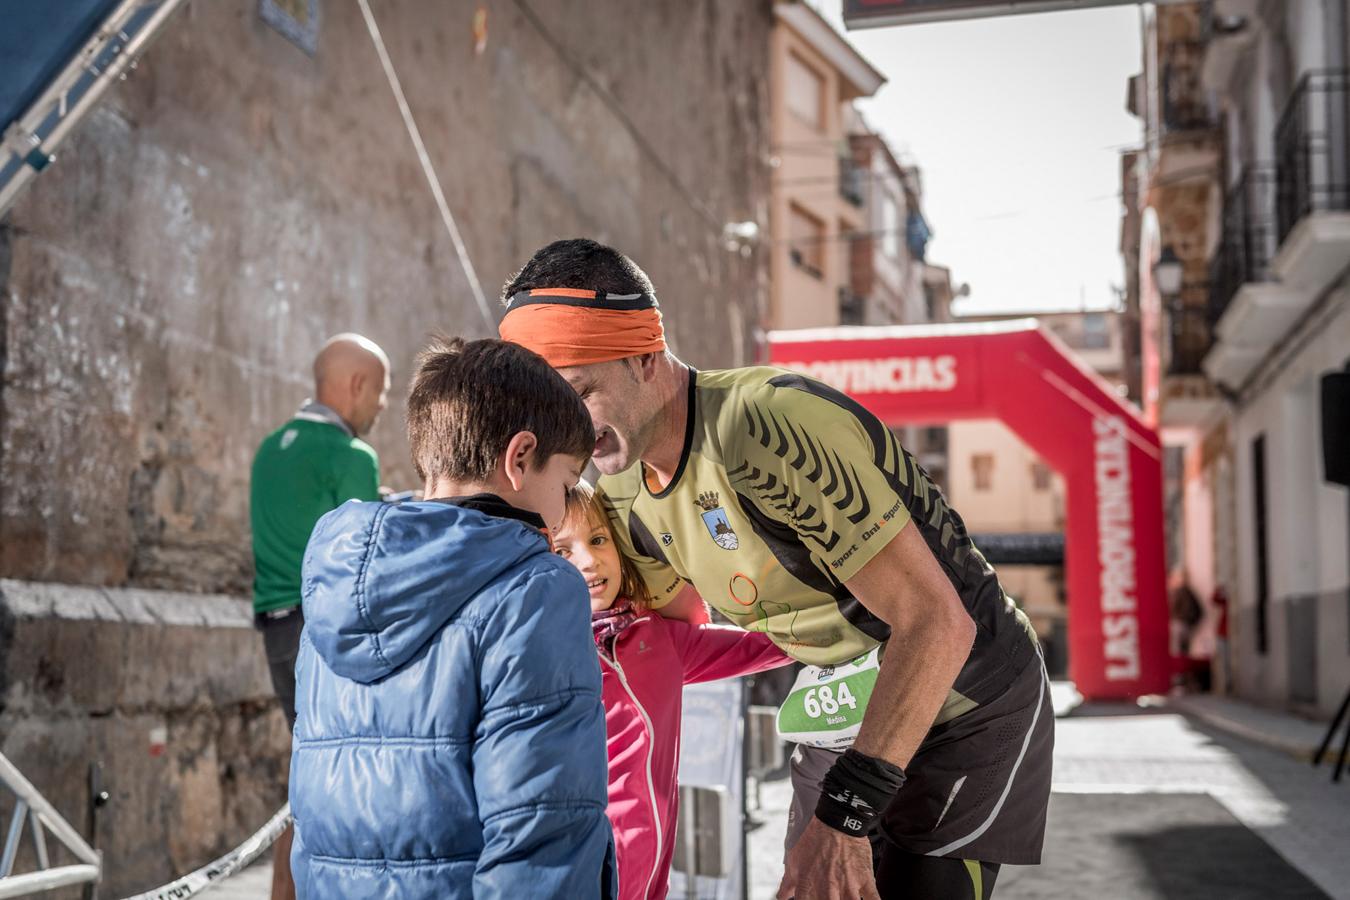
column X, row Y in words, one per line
column 715, row 517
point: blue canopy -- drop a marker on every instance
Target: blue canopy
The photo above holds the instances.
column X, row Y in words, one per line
column 37, row 41
column 41, row 44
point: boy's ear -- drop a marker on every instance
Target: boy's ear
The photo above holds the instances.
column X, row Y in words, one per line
column 518, row 459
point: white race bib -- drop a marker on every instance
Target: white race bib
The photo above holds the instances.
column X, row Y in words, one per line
column 826, row 705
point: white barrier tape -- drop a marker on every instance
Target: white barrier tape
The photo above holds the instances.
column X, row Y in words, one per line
column 234, row 861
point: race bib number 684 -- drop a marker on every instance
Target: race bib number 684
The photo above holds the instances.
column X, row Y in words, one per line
column 826, row 705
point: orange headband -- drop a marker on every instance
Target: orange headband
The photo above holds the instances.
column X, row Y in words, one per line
column 570, row 327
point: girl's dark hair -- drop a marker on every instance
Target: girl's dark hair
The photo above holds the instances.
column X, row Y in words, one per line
column 586, row 506
column 469, row 398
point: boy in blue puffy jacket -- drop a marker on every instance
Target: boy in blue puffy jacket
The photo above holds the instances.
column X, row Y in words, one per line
column 449, row 736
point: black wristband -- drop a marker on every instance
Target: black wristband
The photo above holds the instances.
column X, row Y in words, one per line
column 855, row 792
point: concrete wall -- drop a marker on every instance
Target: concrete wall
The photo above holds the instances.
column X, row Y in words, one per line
column 164, row 286
column 169, row 693
column 167, row 282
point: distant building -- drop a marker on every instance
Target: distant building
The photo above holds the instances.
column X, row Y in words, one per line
column 818, row 191
column 887, row 259
column 848, row 232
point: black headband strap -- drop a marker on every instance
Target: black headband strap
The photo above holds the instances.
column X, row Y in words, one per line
column 601, row 300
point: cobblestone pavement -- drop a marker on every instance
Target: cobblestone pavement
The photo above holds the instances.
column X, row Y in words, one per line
column 1112, row 751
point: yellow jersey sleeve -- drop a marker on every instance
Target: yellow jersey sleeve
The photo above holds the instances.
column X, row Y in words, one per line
column 635, row 541
column 823, row 466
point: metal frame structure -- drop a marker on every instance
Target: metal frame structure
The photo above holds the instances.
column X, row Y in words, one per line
column 32, row 809
column 29, row 144
column 882, row 13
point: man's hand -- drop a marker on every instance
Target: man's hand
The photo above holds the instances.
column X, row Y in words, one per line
column 828, row 865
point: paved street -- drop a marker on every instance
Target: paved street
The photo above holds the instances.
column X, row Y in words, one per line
column 1147, row 805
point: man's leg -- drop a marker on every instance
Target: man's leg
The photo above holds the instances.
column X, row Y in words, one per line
column 281, row 640
column 979, row 787
column 283, row 886
column 901, row 874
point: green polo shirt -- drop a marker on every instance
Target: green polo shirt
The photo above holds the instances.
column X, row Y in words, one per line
column 301, row 471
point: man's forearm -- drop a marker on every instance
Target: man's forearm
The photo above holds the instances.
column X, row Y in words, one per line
column 917, row 671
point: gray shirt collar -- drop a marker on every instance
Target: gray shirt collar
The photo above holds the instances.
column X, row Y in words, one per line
column 313, row 411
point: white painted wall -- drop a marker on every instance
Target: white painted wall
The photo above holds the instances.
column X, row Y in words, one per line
column 1308, row 522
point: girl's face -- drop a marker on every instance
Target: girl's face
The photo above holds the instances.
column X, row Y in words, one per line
column 585, row 542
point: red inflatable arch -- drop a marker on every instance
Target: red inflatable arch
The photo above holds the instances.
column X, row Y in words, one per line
column 1110, row 460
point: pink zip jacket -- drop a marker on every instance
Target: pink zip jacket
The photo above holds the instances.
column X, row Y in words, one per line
column 644, row 668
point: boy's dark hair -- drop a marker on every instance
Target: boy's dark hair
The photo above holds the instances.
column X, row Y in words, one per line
column 582, row 264
column 469, row 398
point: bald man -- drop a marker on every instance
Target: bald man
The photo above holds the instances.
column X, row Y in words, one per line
column 304, row 469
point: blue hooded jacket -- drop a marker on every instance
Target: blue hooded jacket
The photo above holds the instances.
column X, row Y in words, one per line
column 449, row 739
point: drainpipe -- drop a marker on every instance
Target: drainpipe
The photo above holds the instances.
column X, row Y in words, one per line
column 1338, row 102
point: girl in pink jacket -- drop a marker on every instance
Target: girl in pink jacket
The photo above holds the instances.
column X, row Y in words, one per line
column 645, row 660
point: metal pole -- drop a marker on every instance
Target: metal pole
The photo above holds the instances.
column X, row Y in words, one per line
column 33, row 882
column 12, row 838
column 98, row 797
column 50, row 817
column 39, row 841
column 745, row 793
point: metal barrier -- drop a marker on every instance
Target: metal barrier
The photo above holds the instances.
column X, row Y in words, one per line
column 32, row 809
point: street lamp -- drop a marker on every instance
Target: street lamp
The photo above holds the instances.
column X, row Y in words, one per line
column 1168, row 272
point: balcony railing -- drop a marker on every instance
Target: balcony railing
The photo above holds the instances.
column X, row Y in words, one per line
column 1312, row 150
column 851, row 307
column 1247, row 241
column 851, row 177
column 1190, row 331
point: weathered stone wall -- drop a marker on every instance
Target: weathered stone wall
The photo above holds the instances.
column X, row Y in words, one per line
column 165, row 285
column 168, row 281
column 169, row 693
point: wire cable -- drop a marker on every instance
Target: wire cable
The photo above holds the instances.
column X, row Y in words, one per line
column 470, row 275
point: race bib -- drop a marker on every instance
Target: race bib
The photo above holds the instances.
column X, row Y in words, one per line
column 826, row 705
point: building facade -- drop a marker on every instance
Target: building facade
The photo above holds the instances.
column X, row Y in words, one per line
column 887, row 259
column 1261, row 528
column 819, row 193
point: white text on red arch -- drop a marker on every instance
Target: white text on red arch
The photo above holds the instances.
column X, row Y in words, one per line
column 888, row 375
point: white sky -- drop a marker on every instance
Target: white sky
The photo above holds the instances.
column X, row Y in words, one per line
column 1017, row 124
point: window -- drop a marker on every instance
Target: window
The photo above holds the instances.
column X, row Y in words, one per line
column 982, row 468
column 1040, row 476
column 806, row 240
column 1262, row 563
column 890, row 226
column 1095, row 333
column 805, row 92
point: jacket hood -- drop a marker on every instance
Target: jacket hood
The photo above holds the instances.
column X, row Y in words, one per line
column 380, row 579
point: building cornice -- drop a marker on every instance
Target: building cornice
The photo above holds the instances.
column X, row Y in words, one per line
column 860, row 74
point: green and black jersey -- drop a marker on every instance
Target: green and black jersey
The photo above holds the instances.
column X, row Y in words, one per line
column 786, row 488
